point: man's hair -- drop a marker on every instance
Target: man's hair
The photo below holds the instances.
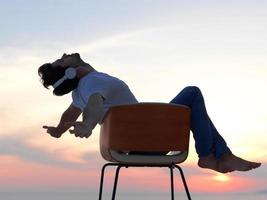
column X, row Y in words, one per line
column 50, row 74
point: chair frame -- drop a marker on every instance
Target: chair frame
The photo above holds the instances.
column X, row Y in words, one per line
column 138, row 121
column 120, row 165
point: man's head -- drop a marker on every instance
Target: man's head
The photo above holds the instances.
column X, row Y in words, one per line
column 50, row 74
column 67, row 60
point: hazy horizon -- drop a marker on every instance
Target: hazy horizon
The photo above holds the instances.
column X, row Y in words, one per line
column 126, row 195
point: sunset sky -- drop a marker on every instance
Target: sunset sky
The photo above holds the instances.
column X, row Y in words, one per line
column 157, row 47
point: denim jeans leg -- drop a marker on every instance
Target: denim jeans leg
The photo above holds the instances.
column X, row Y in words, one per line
column 207, row 138
column 220, row 146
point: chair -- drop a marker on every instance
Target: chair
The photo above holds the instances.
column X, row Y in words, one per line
column 145, row 135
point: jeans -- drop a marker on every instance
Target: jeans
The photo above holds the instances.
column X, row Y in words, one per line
column 207, row 138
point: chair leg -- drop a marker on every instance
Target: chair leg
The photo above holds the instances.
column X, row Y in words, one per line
column 116, row 182
column 102, row 180
column 184, row 182
column 119, row 166
column 172, row 189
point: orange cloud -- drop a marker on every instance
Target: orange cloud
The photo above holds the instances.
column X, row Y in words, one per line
column 67, row 148
column 19, row 173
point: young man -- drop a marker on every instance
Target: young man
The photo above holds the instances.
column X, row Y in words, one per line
column 93, row 93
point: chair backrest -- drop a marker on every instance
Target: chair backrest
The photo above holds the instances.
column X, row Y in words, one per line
column 151, row 127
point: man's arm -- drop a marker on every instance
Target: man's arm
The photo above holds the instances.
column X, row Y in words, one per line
column 91, row 116
column 93, row 110
column 70, row 115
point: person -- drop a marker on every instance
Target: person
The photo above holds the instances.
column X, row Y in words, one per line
column 93, row 93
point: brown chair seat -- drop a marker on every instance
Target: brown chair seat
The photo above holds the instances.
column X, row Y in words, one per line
column 146, row 127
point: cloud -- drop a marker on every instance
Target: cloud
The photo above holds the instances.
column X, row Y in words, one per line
column 38, row 52
column 18, row 147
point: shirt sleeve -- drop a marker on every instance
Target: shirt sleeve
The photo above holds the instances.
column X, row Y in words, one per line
column 89, row 88
column 94, row 86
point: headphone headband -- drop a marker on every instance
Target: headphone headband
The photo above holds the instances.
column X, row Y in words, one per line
column 70, row 73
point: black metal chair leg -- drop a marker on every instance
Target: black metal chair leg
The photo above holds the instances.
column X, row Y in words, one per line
column 172, row 189
column 119, row 166
column 116, row 182
column 184, row 182
column 102, row 180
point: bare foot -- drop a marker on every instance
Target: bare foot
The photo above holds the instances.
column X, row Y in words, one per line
column 210, row 162
column 229, row 162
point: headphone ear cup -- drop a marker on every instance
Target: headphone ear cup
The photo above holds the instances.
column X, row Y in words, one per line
column 70, row 73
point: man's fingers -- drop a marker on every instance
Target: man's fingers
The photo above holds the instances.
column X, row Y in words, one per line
column 77, row 134
column 72, row 131
column 82, row 135
column 47, row 129
column 78, row 129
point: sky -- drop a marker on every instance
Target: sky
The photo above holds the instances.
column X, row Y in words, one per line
column 157, row 47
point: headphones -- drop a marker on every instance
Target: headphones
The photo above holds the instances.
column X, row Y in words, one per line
column 70, row 73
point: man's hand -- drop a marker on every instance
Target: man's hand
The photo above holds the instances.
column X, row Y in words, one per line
column 80, row 129
column 53, row 131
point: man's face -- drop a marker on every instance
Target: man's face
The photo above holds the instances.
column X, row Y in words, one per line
column 68, row 60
